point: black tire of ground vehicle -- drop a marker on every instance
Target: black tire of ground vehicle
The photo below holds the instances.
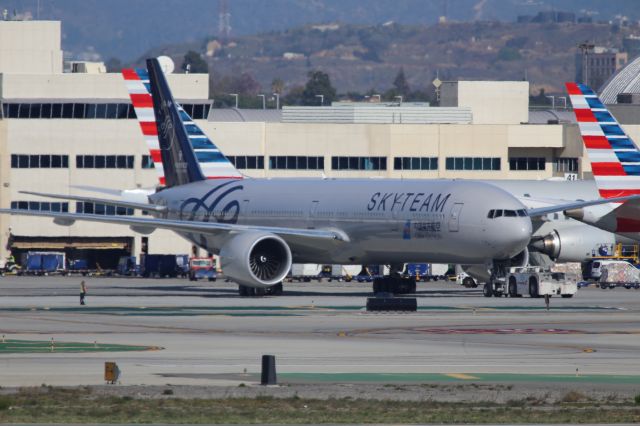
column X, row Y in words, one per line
column 567, row 296
column 469, row 282
column 533, row 287
column 487, row 290
column 604, row 286
column 212, row 279
column 513, row 287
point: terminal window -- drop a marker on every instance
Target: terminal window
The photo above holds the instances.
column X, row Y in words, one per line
column 473, row 163
column 247, row 161
column 359, row 163
column 527, row 163
column 43, row 206
column 81, row 110
column 102, row 209
column 147, row 162
column 46, row 161
column 415, row 163
column 292, row 162
column 568, row 165
column 104, row 161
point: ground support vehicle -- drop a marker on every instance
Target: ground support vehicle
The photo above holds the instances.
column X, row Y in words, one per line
column 305, row 272
column 202, row 268
column 9, row 267
column 44, row 263
column 538, row 282
column 163, row 265
column 619, row 274
column 127, row 266
column 79, row 267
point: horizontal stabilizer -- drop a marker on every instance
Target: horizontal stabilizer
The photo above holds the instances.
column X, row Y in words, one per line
column 578, row 204
column 106, row 201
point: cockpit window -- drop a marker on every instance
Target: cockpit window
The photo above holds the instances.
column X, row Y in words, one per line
column 507, row 213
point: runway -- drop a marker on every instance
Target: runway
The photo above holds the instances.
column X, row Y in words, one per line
column 204, row 334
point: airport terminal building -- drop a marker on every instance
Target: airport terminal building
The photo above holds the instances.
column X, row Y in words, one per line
column 61, row 130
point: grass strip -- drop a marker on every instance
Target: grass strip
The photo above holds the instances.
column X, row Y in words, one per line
column 54, row 405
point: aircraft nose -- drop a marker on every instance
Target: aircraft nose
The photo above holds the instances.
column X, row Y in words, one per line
column 512, row 235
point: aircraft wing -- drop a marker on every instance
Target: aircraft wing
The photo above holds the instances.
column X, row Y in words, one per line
column 541, row 211
column 147, row 225
column 110, row 202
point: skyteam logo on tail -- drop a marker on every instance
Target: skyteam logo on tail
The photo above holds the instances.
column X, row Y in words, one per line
column 213, row 163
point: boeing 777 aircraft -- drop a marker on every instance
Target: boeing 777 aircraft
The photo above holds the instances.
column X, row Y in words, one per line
column 260, row 226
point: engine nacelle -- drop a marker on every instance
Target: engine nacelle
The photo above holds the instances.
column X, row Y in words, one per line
column 256, row 259
column 574, row 244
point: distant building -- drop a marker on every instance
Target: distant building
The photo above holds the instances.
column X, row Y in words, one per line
column 595, row 64
column 546, row 17
column 631, row 45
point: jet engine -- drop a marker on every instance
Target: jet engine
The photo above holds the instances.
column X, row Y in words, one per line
column 573, row 244
column 256, row 259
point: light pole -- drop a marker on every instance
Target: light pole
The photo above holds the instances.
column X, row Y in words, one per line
column 321, row 99
column 264, row 102
column 236, row 96
column 277, row 96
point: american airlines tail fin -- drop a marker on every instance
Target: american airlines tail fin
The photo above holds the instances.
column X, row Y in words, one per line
column 615, row 162
column 213, row 163
column 615, row 158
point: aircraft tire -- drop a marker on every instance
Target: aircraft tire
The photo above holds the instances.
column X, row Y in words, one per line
column 533, row 288
column 567, row 296
column 513, row 287
column 487, row 290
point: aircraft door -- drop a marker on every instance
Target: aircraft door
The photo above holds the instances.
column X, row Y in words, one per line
column 454, row 219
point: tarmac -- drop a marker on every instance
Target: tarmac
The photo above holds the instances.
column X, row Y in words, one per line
column 173, row 331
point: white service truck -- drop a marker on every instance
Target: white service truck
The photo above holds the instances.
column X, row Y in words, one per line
column 534, row 281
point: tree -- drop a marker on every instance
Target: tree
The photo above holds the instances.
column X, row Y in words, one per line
column 400, row 84
column 319, row 84
column 194, row 63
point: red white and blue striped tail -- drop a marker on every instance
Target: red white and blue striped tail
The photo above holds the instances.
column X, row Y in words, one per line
column 213, row 163
column 615, row 158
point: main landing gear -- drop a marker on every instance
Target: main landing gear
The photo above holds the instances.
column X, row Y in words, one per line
column 394, row 283
column 246, row 291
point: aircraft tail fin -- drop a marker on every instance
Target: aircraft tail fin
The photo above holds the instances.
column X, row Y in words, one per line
column 213, row 163
column 178, row 158
column 615, row 158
